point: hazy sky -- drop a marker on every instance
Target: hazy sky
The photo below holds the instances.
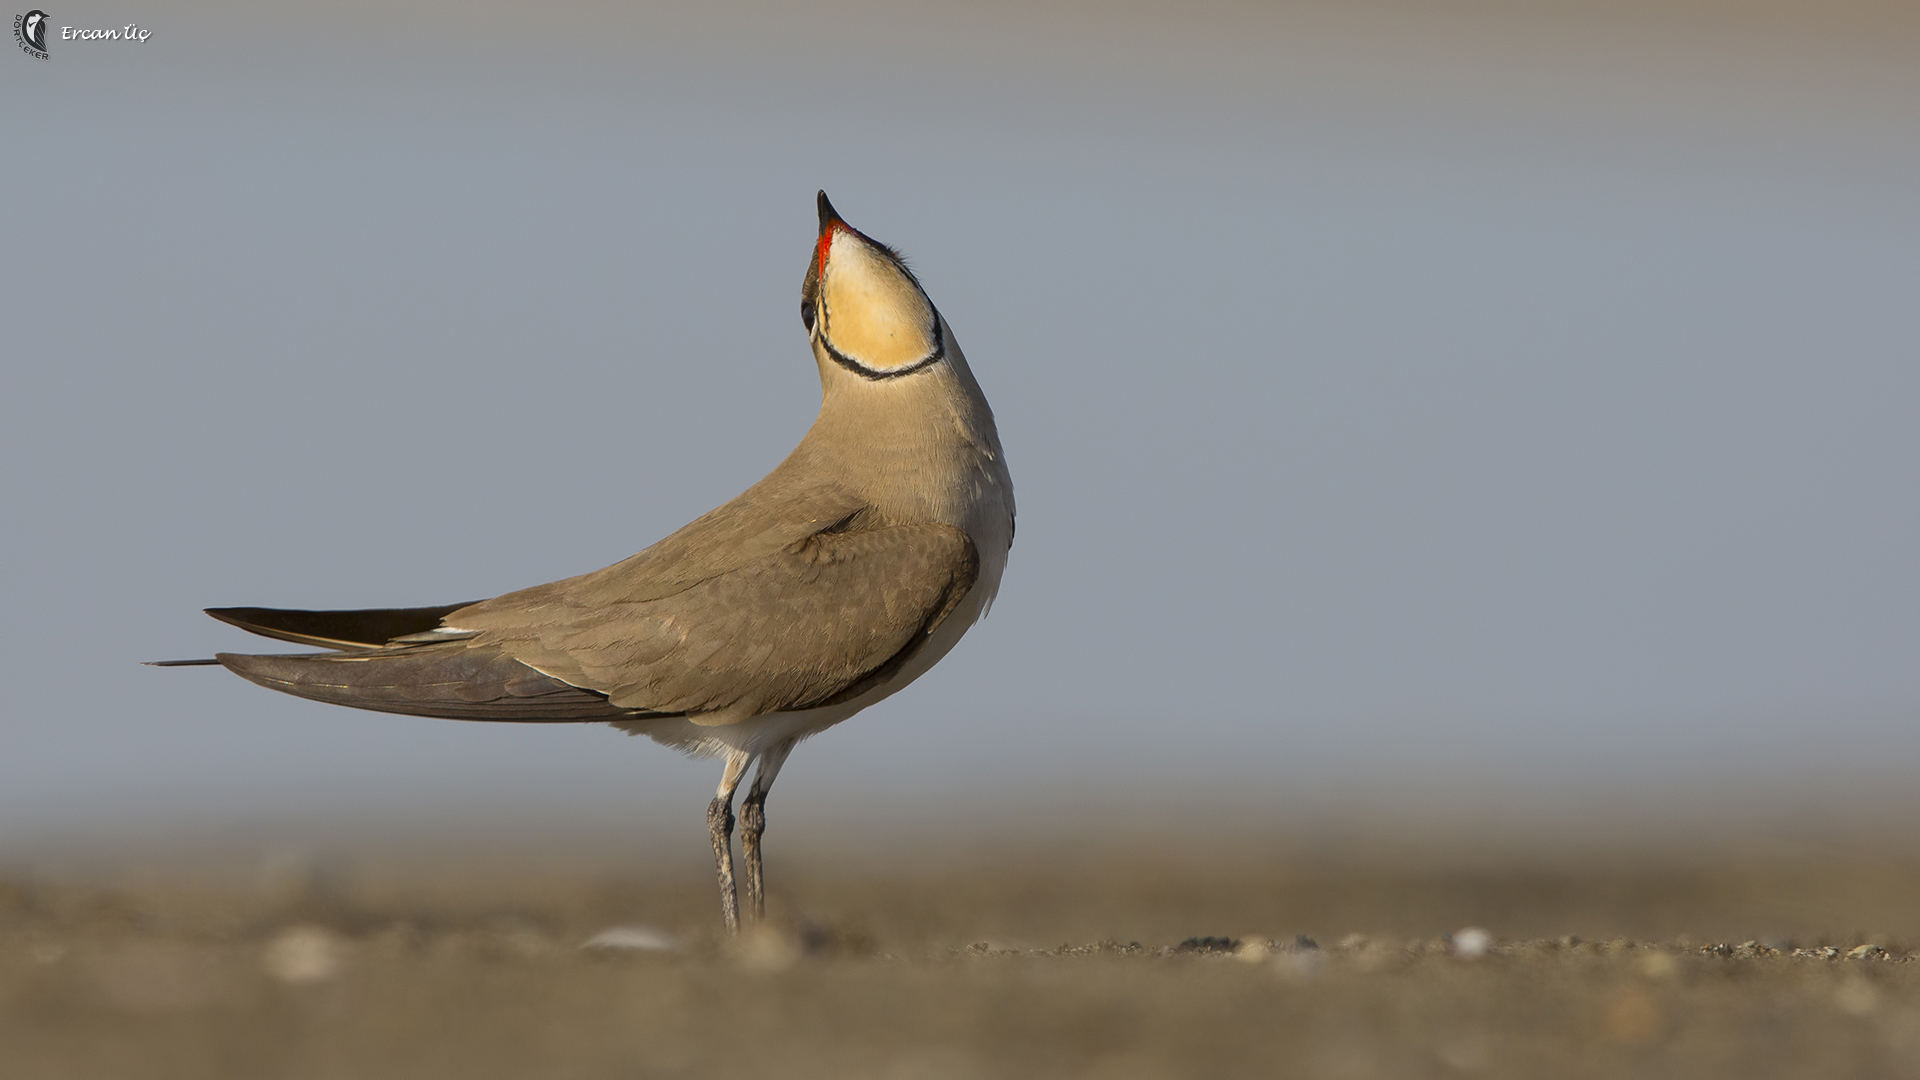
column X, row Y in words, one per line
column 1513, row 400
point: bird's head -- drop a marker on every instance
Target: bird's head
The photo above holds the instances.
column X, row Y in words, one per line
column 863, row 308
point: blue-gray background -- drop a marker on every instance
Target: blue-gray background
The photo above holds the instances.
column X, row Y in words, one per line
column 1504, row 402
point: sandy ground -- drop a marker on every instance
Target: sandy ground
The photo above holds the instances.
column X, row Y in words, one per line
column 1134, row 963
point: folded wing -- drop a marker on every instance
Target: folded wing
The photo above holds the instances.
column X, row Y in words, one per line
column 813, row 623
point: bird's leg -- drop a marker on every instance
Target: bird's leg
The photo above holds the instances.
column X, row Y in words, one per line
column 753, row 822
column 720, row 825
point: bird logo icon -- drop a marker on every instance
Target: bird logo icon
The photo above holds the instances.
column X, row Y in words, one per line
column 31, row 31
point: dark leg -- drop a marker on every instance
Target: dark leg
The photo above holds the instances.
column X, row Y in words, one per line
column 720, row 826
column 753, row 822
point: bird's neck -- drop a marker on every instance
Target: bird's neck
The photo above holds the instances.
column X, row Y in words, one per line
column 919, row 448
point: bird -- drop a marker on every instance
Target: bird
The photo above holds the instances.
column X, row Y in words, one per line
column 34, row 27
column 833, row 582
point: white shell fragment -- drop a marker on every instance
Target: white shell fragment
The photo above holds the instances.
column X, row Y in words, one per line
column 633, row 937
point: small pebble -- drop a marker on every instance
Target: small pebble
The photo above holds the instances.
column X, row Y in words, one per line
column 302, row 955
column 1471, row 943
column 1254, row 950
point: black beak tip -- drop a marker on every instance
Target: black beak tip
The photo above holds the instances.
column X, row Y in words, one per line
column 828, row 215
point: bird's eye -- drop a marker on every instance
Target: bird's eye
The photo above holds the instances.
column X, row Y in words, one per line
column 806, row 313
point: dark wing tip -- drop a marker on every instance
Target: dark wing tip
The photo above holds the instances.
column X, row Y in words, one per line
column 208, row 662
column 359, row 628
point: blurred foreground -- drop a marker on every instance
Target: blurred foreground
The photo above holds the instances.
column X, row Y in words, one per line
column 1148, row 956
